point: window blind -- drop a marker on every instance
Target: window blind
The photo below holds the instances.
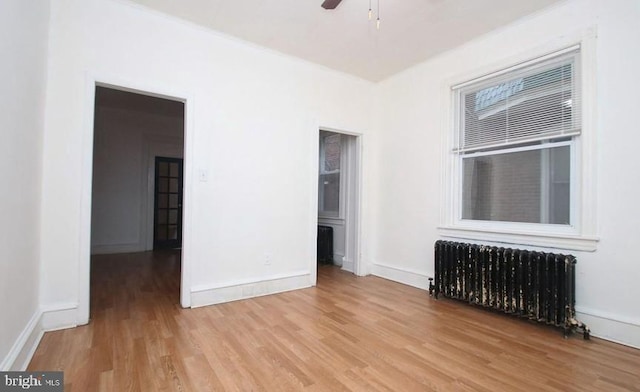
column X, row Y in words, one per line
column 521, row 106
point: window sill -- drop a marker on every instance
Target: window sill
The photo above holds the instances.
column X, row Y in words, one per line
column 331, row 220
column 546, row 240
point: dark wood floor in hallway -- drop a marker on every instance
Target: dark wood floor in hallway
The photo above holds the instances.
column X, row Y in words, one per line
column 348, row 333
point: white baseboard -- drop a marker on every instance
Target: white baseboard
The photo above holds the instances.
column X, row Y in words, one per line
column 233, row 291
column 401, row 275
column 349, row 265
column 102, row 249
column 610, row 327
column 43, row 320
column 338, row 259
column 20, row 354
column 59, row 316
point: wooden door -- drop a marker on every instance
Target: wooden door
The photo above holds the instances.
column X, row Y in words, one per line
column 167, row 222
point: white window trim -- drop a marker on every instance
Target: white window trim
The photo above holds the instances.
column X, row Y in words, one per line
column 340, row 218
column 581, row 234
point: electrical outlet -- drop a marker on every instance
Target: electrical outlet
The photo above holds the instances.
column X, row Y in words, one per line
column 267, row 259
column 203, row 175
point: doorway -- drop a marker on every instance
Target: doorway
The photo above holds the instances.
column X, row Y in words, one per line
column 167, row 222
column 137, row 182
column 339, row 199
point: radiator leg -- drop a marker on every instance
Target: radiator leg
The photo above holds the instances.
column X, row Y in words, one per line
column 573, row 324
column 432, row 289
column 586, row 332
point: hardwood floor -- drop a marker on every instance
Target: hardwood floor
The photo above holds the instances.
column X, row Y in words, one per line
column 348, row 333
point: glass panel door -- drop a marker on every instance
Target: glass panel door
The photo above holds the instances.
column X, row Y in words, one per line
column 168, row 203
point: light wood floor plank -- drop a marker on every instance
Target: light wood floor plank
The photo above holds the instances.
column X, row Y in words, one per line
column 347, row 334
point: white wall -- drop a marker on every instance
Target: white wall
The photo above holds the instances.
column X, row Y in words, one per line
column 23, row 44
column 126, row 143
column 410, row 149
column 252, row 125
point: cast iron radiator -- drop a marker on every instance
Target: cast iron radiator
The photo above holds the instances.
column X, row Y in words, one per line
column 536, row 285
column 325, row 244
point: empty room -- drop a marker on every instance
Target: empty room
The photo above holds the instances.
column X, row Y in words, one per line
column 319, row 195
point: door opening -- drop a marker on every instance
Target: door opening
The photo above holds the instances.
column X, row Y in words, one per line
column 137, row 183
column 339, row 199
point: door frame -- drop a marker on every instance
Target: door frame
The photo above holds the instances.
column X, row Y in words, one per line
column 154, row 89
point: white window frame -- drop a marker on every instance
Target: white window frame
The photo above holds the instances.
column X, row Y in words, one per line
column 580, row 234
column 343, row 181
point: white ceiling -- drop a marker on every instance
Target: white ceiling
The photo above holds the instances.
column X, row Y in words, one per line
column 344, row 39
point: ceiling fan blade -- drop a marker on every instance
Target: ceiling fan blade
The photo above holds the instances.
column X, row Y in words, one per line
column 330, row 4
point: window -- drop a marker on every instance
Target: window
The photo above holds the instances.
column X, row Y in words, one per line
column 516, row 150
column 329, row 194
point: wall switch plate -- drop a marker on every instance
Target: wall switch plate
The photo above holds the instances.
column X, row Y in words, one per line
column 203, row 175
